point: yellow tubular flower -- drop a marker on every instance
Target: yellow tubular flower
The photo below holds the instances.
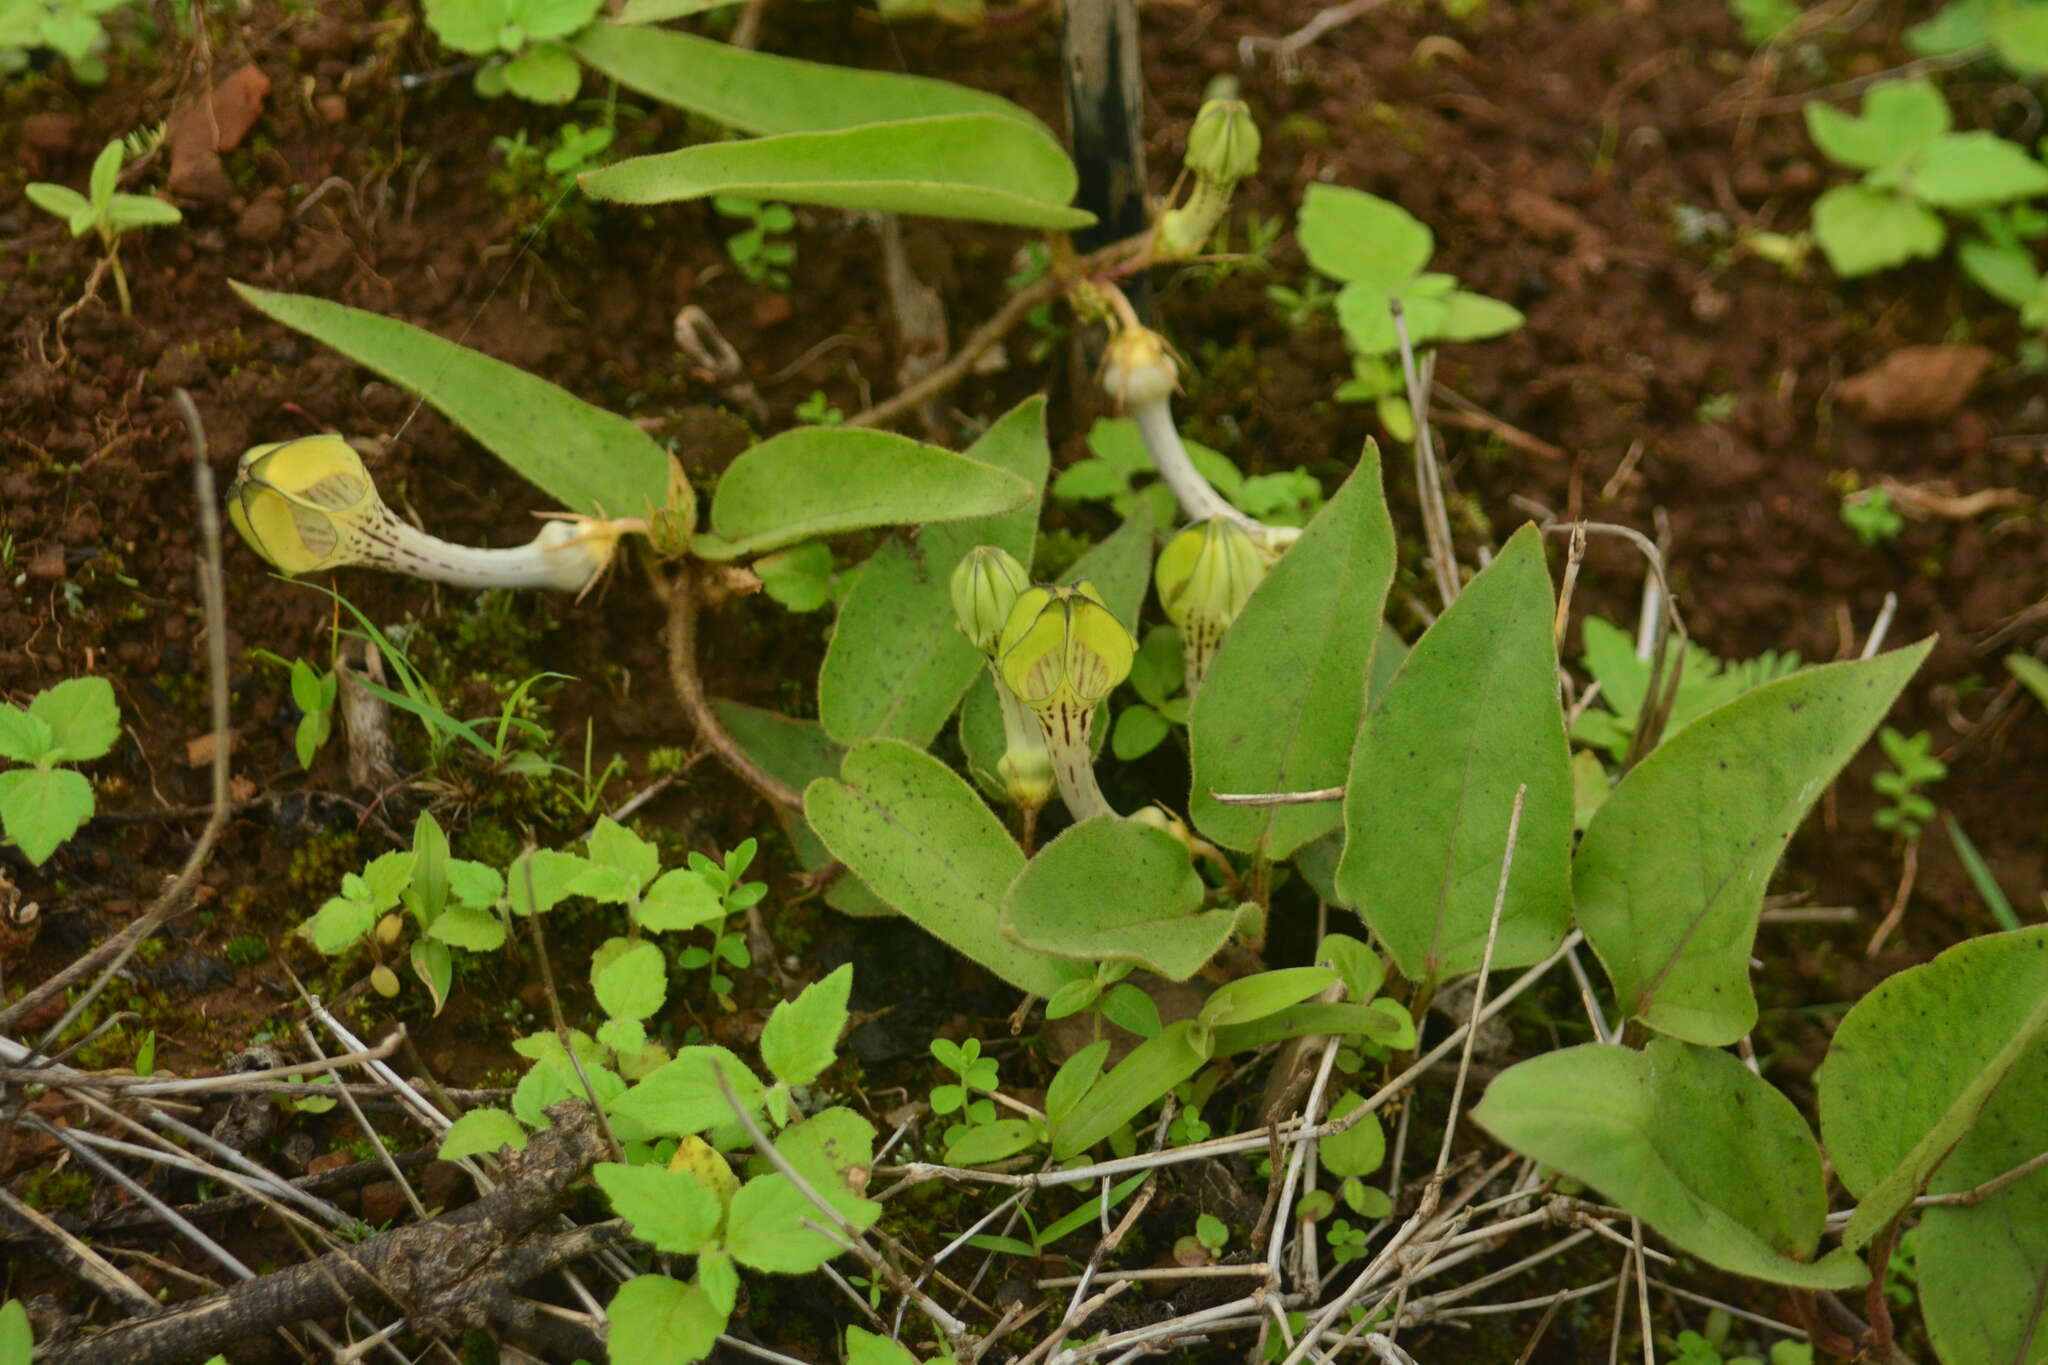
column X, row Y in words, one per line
column 1204, row 577
column 309, row 505
column 1062, row 651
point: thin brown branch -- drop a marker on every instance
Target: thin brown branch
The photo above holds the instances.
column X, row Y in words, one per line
column 1013, row 312
column 683, row 607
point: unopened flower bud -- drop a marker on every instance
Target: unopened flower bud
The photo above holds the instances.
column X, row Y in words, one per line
column 1027, row 775
column 1223, row 146
column 384, row 981
column 1204, row 577
column 986, row 584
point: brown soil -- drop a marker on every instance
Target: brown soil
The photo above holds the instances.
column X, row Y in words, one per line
column 1589, row 164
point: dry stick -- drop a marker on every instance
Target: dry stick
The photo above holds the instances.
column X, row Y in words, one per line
column 1433, row 1193
column 355, row 1110
column 1635, row 1229
column 90, row 1263
column 84, row 1152
column 1297, row 1161
column 1908, row 874
column 1322, row 22
column 1436, row 518
column 1731, row 1310
column 445, row 1268
column 1881, row 626
column 1594, row 1015
column 148, row 1087
column 110, row 956
column 689, row 687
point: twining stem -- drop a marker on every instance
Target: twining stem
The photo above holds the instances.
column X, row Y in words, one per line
column 682, row 594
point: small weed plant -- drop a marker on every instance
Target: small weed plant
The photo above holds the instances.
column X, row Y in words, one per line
column 44, row 801
column 74, row 29
column 1914, row 767
column 1915, row 169
column 1871, row 515
column 757, row 250
column 106, row 212
column 1380, row 252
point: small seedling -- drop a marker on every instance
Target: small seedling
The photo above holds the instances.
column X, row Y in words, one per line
column 70, row 28
column 760, row 258
column 1913, row 767
column 314, row 692
column 974, row 1074
column 43, row 803
column 1381, row 252
column 1302, row 307
column 521, row 42
column 1914, row 168
column 818, row 411
column 1871, row 514
column 105, row 211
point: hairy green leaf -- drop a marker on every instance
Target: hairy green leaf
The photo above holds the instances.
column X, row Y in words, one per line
column 1280, row 707
column 819, row 481
column 1670, row 877
column 1688, row 1139
column 925, row 843
column 1472, row 716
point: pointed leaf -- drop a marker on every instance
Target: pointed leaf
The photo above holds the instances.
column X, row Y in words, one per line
column 1688, row 1139
column 1472, row 715
column 1280, row 707
column 1670, row 878
column 757, row 92
column 590, row 460
column 819, row 481
column 802, row 1035
column 982, row 167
